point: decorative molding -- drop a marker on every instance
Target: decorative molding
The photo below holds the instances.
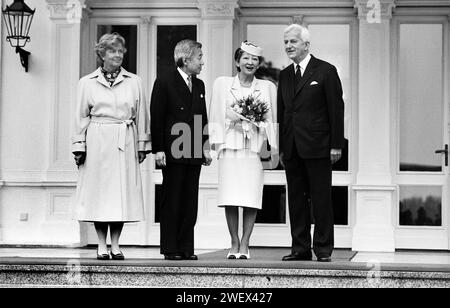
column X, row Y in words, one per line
column 374, row 10
column 298, row 19
column 142, row 4
column 295, row 3
column 146, row 20
column 422, row 3
column 59, row 205
column 215, row 9
column 367, row 188
column 71, row 10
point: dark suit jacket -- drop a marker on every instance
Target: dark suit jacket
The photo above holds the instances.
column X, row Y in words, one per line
column 179, row 115
column 314, row 116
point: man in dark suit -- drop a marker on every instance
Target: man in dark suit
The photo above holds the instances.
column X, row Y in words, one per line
column 180, row 145
column 311, row 119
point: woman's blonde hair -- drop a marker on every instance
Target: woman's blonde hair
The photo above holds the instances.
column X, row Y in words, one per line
column 108, row 41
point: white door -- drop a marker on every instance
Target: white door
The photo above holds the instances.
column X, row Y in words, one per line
column 421, row 94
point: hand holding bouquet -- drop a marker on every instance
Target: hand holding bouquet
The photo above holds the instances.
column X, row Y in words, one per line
column 252, row 111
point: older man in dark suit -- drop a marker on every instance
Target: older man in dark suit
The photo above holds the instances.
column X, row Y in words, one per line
column 311, row 119
column 180, row 145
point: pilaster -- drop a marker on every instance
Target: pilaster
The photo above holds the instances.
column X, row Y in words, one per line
column 374, row 229
column 66, row 17
column 216, row 35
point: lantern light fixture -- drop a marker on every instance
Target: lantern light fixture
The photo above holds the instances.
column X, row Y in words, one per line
column 18, row 18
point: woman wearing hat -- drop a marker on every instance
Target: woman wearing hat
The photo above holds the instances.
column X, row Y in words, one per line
column 239, row 143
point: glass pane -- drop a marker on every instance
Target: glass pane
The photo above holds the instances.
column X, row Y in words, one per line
column 420, row 206
column 129, row 33
column 328, row 42
column 167, row 38
column 421, row 86
column 332, row 44
column 270, row 38
column 274, row 205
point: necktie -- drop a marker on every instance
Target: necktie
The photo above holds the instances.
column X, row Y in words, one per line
column 298, row 77
column 189, row 79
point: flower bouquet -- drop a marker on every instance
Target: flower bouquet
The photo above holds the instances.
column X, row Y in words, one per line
column 251, row 113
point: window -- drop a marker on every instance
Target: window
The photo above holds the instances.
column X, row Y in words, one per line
column 420, row 206
column 421, row 97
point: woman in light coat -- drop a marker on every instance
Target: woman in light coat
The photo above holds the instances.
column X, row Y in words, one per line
column 239, row 144
column 111, row 139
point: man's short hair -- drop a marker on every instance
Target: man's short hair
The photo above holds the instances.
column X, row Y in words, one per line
column 184, row 50
column 304, row 32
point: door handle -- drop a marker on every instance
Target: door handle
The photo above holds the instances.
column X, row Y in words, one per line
column 444, row 151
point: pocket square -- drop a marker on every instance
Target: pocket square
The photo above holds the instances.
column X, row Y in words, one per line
column 313, row 83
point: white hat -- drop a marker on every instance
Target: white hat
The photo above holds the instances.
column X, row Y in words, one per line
column 251, row 49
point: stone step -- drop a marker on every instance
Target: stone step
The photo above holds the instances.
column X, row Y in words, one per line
column 212, row 270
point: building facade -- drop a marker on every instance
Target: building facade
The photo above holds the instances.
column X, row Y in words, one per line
column 390, row 190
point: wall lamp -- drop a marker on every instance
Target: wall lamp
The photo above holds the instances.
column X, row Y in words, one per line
column 18, row 17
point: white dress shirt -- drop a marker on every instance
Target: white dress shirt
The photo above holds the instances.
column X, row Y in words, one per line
column 184, row 75
column 303, row 64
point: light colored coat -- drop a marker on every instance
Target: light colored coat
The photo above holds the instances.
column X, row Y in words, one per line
column 225, row 131
column 111, row 125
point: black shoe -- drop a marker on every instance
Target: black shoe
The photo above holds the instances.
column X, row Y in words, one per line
column 190, row 257
column 295, row 256
column 324, row 259
column 118, row 256
column 173, row 257
column 103, row 257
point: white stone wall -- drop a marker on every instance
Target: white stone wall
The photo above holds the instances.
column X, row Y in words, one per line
column 36, row 176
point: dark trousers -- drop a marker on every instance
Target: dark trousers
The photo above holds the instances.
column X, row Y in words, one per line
column 178, row 213
column 309, row 184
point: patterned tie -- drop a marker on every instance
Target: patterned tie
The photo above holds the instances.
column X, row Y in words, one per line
column 189, row 79
column 298, row 77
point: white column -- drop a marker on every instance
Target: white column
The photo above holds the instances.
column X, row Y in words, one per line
column 58, row 227
column 65, row 32
column 216, row 35
column 1, row 82
column 374, row 229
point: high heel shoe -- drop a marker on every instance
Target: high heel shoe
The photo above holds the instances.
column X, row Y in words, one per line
column 104, row 256
column 233, row 256
column 118, row 256
column 245, row 256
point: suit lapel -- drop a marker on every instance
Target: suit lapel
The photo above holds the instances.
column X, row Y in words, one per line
column 310, row 69
column 182, row 88
column 234, row 89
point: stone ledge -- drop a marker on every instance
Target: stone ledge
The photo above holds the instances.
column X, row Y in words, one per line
column 219, row 277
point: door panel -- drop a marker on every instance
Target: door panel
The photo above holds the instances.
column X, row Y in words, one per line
column 422, row 174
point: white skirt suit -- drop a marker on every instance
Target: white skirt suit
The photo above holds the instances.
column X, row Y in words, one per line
column 241, row 176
